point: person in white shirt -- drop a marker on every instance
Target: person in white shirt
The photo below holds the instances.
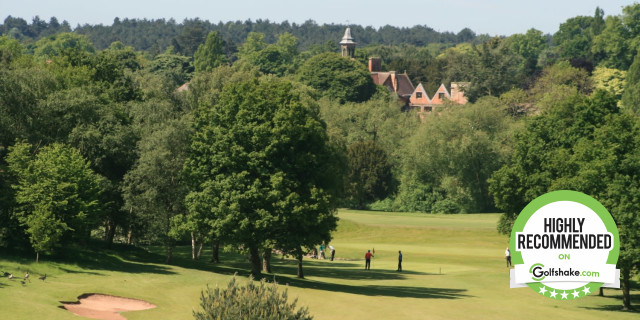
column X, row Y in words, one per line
column 507, row 256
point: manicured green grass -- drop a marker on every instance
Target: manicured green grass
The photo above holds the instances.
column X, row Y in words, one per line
column 454, row 269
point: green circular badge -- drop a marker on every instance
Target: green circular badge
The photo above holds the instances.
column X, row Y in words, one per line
column 565, row 245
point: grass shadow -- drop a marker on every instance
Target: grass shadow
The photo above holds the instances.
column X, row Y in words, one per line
column 618, row 306
column 285, row 271
column 373, row 290
column 237, row 263
column 67, row 270
column 128, row 260
column 93, row 258
column 347, row 271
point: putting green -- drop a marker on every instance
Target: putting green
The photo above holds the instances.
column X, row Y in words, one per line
column 453, row 269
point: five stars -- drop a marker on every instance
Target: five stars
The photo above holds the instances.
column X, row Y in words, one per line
column 564, row 294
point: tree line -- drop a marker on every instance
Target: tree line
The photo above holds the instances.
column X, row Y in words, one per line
column 156, row 35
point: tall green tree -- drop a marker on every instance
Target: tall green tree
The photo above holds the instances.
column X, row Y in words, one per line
column 175, row 67
column 261, row 170
column 528, row 46
column 279, row 58
column 370, row 177
column 612, row 47
column 492, row 68
column 631, row 95
column 193, row 35
column 575, row 36
column 447, row 161
column 337, row 77
column 63, row 43
column 56, row 193
column 154, row 189
column 210, row 54
column 10, row 50
column 584, row 144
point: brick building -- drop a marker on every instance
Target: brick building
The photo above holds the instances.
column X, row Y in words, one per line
column 401, row 85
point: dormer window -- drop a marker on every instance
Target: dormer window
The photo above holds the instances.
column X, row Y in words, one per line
column 418, row 95
column 441, row 95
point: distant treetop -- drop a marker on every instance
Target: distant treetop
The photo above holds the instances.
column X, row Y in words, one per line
column 155, row 36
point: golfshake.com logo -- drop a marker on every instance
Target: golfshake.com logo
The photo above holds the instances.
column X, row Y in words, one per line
column 565, row 246
column 539, row 273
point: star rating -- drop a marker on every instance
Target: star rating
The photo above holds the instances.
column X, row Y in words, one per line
column 564, row 295
column 553, row 293
column 575, row 294
column 586, row 290
column 543, row 290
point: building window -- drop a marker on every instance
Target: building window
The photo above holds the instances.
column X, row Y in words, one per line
column 441, row 95
column 418, row 95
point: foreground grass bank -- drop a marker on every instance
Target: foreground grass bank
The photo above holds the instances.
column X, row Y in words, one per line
column 453, row 269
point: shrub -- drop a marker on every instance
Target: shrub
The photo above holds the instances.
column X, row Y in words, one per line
column 253, row 301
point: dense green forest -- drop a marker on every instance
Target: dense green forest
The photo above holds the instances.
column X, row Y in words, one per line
column 155, row 36
column 275, row 129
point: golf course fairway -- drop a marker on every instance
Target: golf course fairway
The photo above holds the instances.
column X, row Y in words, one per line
column 453, row 268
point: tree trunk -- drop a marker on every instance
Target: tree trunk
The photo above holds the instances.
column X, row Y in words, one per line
column 130, row 233
column 300, row 274
column 215, row 257
column 199, row 254
column 266, row 260
column 169, row 254
column 626, row 297
column 110, row 233
column 254, row 258
column 37, row 257
column 130, row 236
column 193, row 247
column 106, row 229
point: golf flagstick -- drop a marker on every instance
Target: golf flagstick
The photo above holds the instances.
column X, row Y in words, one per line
column 373, row 255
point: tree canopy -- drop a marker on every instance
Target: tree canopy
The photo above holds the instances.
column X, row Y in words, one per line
column 337, row 77
column 258, row 164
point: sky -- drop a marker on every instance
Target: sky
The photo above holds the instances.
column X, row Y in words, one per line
column 493, row 17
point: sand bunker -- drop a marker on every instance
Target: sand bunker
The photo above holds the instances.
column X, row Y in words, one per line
column 105, row 307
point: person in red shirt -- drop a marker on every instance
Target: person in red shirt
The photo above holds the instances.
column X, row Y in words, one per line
column 367, row 260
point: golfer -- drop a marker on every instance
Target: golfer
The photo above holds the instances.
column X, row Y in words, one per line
column 333, row 252
column 399, row 260
column 367, row 260
column 507, row 256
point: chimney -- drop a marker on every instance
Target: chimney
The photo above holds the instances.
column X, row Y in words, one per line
column 375, row 64
column 394, row 81
column 457, row 92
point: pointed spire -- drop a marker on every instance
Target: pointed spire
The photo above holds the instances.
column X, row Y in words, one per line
column 347, row 38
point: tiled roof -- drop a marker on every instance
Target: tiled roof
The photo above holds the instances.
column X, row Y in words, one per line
column 405, row 87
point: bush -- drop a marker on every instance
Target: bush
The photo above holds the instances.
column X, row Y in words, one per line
column 383, row 205
column 252, row 301
column 445, row 206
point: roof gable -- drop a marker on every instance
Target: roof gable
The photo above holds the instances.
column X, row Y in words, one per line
column 419, row 96
column 441, row 94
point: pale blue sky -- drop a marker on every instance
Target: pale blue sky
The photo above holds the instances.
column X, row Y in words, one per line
column 495, row 17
